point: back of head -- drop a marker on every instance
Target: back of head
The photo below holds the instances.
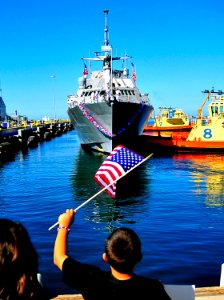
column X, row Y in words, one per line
column 18, row 261
column 123, row 250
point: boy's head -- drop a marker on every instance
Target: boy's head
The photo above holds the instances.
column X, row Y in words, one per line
column 123, row 250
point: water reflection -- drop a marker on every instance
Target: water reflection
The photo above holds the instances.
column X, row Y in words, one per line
column 130, row 191
column 207, row 172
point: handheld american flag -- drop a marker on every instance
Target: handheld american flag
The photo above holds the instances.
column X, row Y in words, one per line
column 116, row 165
column 120, row 162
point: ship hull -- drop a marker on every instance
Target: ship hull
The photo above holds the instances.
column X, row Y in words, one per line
column 101, row 126
column 150, row 128
column 165, row 146
column 166, row 131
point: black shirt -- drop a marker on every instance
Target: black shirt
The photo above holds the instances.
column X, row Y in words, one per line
column 96, row 284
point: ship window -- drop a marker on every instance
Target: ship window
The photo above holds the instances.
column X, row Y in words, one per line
column 126, row 92
column 133, row 93
column 214, row 109
column 122, row 92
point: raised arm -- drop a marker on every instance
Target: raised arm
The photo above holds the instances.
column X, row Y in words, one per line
column 60, row 247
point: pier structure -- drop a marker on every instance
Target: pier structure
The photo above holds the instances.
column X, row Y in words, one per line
column 181, row 292
column 15, row 138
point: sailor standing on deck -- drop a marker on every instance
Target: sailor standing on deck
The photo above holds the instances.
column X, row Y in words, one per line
column 118, row 95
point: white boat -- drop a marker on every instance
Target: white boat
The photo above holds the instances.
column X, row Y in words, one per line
column 108, row 108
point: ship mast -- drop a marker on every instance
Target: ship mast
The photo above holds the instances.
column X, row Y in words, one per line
column 106, row 36
column 108, row 50
column 106, row 47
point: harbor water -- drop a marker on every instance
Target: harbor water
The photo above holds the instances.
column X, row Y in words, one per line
column 175, row 204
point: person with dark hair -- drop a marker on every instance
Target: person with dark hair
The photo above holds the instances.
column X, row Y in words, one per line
column 18, row 264
column 122, row 252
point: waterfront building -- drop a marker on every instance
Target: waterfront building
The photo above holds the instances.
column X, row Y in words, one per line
column 2, row 109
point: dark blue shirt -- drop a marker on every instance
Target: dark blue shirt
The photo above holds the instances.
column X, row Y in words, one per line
column 96, row 284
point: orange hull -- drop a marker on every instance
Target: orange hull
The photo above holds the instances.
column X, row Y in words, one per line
column 179, row 144
column 150, row 128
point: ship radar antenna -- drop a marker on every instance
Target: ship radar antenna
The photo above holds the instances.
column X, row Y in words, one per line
column 106, row 33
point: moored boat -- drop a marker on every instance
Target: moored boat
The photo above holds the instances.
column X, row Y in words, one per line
column 169, row 120
column 108, row 108
column 206, row 136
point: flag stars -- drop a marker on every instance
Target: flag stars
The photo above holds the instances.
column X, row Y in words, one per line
column 126, row 158
column 115, row 166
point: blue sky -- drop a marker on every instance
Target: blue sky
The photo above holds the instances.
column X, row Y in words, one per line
column 177, row 48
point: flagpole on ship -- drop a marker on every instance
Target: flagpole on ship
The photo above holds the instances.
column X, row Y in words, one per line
column 111, row 74
column 106, row 187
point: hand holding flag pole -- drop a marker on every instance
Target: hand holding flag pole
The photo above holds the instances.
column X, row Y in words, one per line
column 117, row 150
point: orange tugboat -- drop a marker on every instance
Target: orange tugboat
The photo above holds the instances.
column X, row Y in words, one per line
column 206, row 136
column 169, row 120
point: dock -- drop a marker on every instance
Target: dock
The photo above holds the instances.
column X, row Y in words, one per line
column 202, row 293
column 24, row 136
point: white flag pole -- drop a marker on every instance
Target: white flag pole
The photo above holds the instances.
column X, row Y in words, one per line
column 91, row 198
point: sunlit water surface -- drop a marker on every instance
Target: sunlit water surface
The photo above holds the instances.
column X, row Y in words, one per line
column 175, row 204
